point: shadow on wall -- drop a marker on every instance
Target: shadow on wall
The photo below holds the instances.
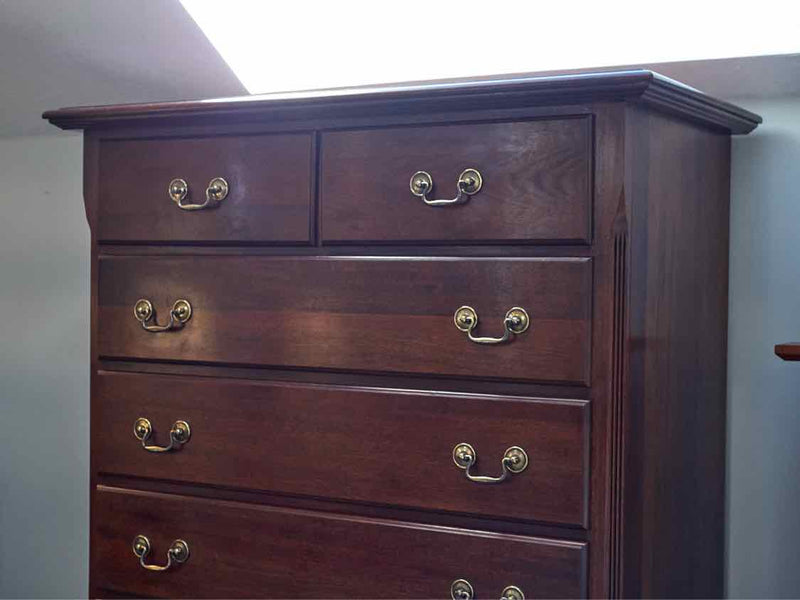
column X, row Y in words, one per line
column 44, row 369
column 763, row 390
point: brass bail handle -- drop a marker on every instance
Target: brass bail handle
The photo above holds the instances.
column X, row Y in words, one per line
column 515, row 322
column 515, row 460
column 469, row 183
column 179, row 434
column 180, row 313
column 178, row 553
column 216, row 192
column 461, row 589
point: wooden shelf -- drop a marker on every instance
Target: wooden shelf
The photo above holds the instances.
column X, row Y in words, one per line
column 788, row 351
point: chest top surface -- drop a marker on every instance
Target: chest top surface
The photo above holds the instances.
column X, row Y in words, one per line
column 641, row 86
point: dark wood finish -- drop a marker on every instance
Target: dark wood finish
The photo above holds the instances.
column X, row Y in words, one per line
column 269, row 198
column 91, row 159
column 378, row 314
column 606, row 313
column 628, row 330
column 673, row 452
column 356, row 509
column 537, row 182
column 352, row 379
column 477, row 250
column 646, row 87
column 254, row 551
column 322, row 441
column 788, row 351
column 112, row 594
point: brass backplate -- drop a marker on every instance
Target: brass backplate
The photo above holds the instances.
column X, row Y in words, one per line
column 421, row 183
column 519, row 320
column 177, row 189
column 182, row 310
column 516, row 459
column 181, row 432
column 470, row 181
column 218, row 189
column 179, row 551
column 461, row 589
column 465, row 318
column 463, row 455
column 141, row 546
column 143, row 310
column 142, row 428
column 512, row 592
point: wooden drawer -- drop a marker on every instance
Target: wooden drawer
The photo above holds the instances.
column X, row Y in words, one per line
column 357, row 314
column 380, row 447
column 245, row 550
column 537, row 182
column 269, row 198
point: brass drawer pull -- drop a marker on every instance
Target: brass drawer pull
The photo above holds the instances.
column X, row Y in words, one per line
column 180, row 313
column 512, row 592
column 178, row 435
column 461, row 589
column 216, row 192
column 178, row 553
column 469, row 184
column 515, row 460
column 516, row 321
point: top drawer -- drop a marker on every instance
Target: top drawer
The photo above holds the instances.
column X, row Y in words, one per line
column 536, row 183
column 268, row 200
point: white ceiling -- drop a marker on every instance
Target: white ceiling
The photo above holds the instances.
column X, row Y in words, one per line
column 56, row 53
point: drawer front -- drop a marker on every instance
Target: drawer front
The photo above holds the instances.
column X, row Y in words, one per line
column 536, row 183
column 269, row 196
column 389, row 448
column 359, row 314
column 243, row 550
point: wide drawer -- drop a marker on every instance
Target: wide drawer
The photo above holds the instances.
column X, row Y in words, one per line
column 358, row 314
column 536, row 182
column 379, row 447
column 242, row 550
column 268, row 199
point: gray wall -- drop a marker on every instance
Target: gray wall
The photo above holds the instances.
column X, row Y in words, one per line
column 44, row 371
column 764, row 391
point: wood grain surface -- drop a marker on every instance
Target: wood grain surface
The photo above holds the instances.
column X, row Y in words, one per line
column 240, row 550
column 361, row 314
column 270, row 179
column 675, row 412
column 390, row 448
column 537, row 178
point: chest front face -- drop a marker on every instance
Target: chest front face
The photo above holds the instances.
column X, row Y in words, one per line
column 365, row 354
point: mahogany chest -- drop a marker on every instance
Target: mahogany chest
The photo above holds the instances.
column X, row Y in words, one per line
column 457, row 340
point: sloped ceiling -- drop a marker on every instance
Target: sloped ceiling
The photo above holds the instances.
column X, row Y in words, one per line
column 56, row 53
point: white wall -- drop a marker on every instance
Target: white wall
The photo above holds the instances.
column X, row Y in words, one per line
column 44, row 369
column 764, row 391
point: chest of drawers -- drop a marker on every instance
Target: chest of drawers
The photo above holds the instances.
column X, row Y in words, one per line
column 452, row 340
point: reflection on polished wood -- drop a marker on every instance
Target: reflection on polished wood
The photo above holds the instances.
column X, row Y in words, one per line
column 247, row 551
